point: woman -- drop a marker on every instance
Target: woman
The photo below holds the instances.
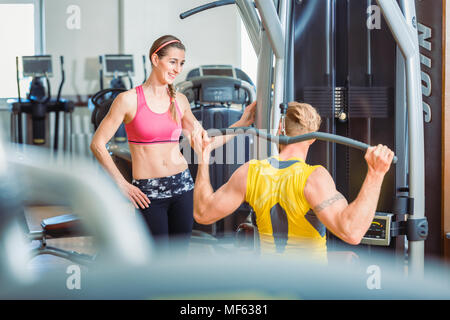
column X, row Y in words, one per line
column 155, row 115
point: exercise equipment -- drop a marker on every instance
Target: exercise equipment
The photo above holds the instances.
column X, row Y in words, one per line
column 217, row 85
column 116, row 66
column 39, row 104
column 380, row 232
column 222, row 70
column 352, row 90
column 382, row 228
column 36, row 179
column 70, row 225
column 348, row 75
column 102, row 104
column 63, row 226
column 218, row 95
column 285, row 140
column 165, row 279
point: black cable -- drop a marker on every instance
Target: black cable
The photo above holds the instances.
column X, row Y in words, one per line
column 206, row 7
column 18, row 80
column 63, row 78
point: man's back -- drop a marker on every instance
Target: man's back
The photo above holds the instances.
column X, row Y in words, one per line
column 282, row 193
column 283, row 216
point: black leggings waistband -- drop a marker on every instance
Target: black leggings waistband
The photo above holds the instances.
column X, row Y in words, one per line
column 166, row 187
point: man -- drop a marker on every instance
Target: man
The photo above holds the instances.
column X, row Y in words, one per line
column 283, row 189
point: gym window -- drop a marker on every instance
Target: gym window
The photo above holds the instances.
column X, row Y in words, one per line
column 20, row 35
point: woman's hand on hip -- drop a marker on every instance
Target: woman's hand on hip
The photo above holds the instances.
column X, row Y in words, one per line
column 135, row 195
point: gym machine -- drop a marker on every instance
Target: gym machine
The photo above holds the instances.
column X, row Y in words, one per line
column 218, row 95
column 70, row 225
column 306, row 34
column 132, row 274
column 360, row 95
column 35, row 127
column 116, row 66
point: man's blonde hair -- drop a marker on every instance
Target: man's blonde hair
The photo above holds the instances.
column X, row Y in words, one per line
column 301, row 118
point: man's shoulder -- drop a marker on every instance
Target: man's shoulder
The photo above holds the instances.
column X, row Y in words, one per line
column 241, row 173
column 254, row 161
column 318, row 172
column 243, row 169
column 319, row 178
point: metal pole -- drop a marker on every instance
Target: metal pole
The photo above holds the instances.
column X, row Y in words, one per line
column 272, row 26
column 251, row 21
column 404, row 31
column 401, row 136
column 264, row 90
column 264, row 53
column 279, row 77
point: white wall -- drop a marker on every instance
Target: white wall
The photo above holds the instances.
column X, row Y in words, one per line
column 210, row 37
column 98, row 34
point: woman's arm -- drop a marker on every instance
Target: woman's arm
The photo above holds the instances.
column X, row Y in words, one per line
column 191, row 124
column 103, row 134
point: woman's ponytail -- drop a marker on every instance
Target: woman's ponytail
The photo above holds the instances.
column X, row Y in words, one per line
column 172, row 108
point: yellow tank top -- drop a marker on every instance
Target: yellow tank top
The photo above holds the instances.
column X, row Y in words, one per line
column 285, row 221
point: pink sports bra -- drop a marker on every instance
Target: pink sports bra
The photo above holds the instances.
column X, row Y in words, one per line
column 151, row 127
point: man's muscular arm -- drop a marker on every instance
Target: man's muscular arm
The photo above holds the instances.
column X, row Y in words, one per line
column 349, row 221
column 210, row 206
column 338, row 196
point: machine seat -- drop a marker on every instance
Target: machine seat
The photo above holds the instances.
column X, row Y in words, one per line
column 64, row 226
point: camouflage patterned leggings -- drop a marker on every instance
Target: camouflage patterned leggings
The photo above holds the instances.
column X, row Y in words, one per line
column 170, row 214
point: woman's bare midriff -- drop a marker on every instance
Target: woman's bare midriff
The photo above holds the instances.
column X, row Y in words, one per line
column 156, row 160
